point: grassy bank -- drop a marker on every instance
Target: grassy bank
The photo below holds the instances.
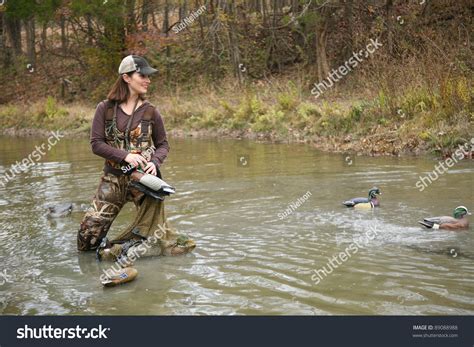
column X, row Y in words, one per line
column 415, row 121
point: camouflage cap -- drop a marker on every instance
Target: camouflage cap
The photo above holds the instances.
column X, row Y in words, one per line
column 135, row 63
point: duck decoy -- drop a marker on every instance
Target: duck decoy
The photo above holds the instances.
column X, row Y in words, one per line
column 124, row 275
column 458, row 221
column 64, row 209
column 59, row 210
column 369, row 202
column 151, row 185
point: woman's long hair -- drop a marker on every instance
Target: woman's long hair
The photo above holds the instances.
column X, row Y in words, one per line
column 120, row 92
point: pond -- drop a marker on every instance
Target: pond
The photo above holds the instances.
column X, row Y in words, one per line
column 265, row 217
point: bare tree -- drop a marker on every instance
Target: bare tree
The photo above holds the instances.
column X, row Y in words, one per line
column 348, row 15
column 321, row 31
column 234, row 42
column 13, row 26
column 30, row 40
column 145, row 14
column 131, row 23
column 4, row 53
column 62, row 24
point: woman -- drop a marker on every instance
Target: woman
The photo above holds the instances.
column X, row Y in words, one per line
column 128, row 132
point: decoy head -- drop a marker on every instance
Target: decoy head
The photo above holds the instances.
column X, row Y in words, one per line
column 373, row 192
column 460, row 212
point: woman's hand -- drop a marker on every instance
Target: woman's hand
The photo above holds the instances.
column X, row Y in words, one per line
column 150, row 168
column 136, row 160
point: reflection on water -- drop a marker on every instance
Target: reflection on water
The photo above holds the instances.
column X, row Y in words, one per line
column 248, row 260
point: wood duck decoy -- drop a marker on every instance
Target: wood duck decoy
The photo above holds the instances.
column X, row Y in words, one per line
column 459, row 221
column 369, row 202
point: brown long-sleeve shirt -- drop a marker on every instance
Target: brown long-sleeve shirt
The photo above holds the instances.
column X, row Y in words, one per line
column 101, row 148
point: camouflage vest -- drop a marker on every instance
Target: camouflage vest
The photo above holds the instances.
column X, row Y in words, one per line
column 138, row 141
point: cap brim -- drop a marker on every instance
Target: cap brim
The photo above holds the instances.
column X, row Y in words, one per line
column 148, row 70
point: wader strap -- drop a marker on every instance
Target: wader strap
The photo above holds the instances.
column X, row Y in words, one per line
column 115, row 112
column 147, row 119
column 109, row 115
column 129, row 123
column 145, row 123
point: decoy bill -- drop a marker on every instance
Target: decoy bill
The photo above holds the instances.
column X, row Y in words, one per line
column 369, row 202
column 457, row 222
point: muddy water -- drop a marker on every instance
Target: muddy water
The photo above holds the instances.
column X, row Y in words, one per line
column 256, row 253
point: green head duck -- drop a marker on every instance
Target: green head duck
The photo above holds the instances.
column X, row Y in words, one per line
column 459, row 221
column 460, row 212
column 369, row 202
column 373, row 192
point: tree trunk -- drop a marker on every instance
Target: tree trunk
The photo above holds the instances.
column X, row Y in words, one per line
column 90, row 30
column 183, row 10
column 131, row 24
column 201, row 22
column 2, row 43
column 234, row 43
column 166, row 25
column 321, row 56
column 44, row 31
column 264, row 12
column 30, row 40
column 5, row 54
column 62, row 23
column 145, row 13
column 153, row 20
column 348, row 14
column 389, row 20
column 13, row 26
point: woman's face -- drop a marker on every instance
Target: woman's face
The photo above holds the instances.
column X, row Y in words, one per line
column 137, row 82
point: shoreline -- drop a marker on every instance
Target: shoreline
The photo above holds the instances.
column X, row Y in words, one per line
column 356, row 126
column 331, row 144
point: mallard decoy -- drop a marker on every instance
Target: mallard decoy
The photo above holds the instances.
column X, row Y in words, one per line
column 64, row 209
column 151, row 185
column 459, row 221
column 59, row 210
column 369, row 202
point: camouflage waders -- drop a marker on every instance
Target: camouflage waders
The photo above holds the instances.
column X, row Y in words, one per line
column 111, row 195
column 114, row 192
